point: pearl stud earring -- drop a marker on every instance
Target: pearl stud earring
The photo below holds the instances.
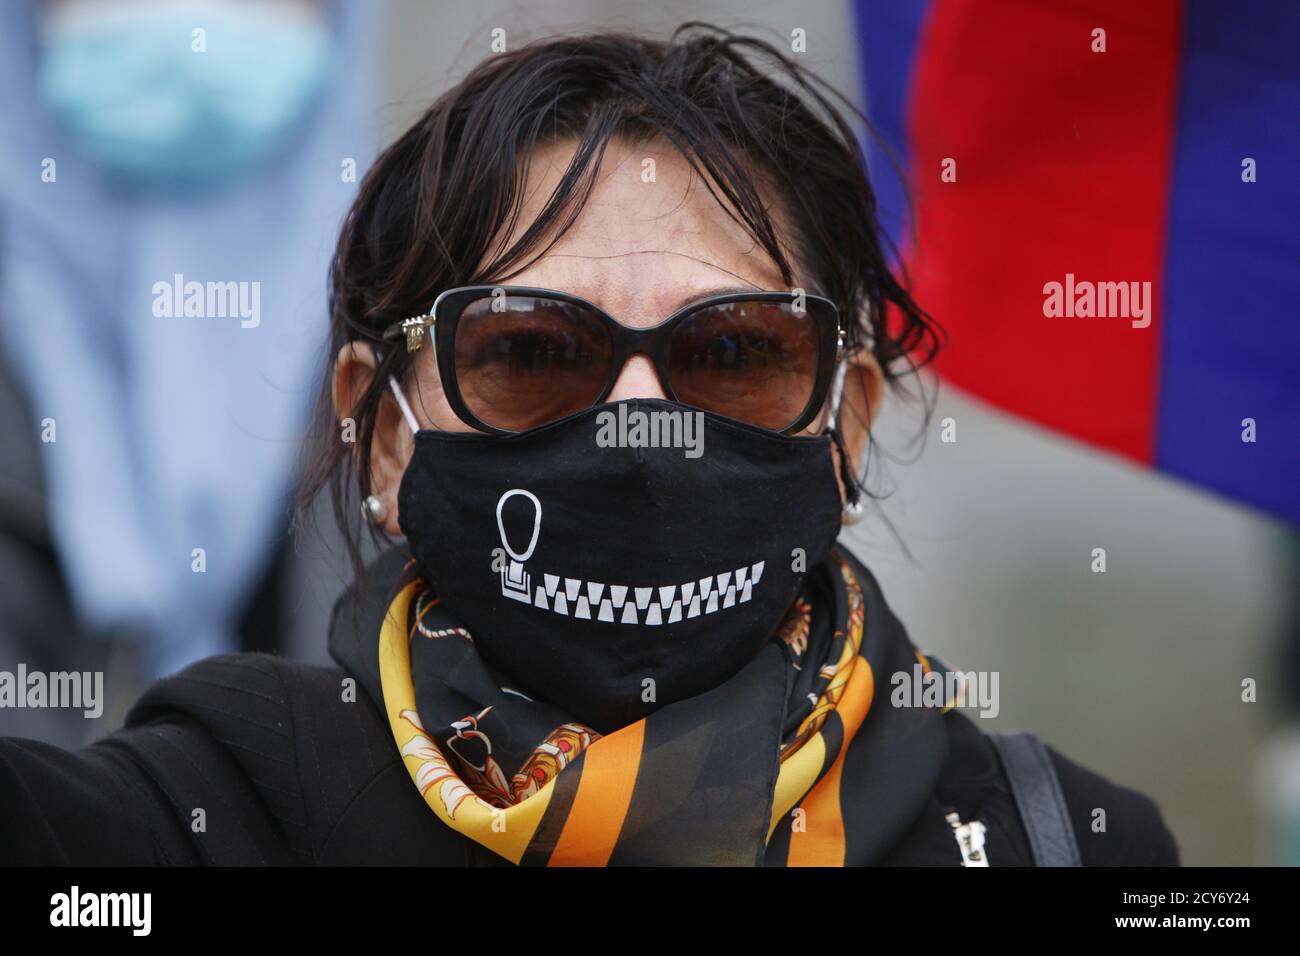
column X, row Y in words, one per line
column 374, row 509
column 853, row 513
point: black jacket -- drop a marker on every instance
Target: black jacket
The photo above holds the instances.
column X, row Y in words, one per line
column 253, row 759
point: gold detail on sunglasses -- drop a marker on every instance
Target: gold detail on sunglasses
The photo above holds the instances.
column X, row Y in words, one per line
column 414, row 328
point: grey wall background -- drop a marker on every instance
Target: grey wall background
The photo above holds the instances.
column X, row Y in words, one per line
column 1135, row 673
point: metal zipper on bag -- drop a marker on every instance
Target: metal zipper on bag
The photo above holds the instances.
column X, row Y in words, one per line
column 970, row 839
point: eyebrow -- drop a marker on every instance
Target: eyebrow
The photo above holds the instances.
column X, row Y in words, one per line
column 701, row 294
column 696, row 295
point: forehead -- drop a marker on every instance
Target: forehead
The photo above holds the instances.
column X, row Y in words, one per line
column 650, row 237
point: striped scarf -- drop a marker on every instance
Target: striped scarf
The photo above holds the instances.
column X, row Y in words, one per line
column 797, row 760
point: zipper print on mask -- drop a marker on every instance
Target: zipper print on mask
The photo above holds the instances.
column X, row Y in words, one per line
column 656, row 604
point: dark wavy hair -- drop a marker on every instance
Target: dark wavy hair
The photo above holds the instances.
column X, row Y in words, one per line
column 750, row 121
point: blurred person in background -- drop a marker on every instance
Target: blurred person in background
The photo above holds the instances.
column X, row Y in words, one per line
column 172, row 173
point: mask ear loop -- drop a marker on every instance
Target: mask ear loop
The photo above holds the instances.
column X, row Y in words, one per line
column 853, row 507
column 837, row 392
column 409, row 415
column 402, row 403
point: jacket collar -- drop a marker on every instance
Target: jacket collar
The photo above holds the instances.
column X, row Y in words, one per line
column 358, row 615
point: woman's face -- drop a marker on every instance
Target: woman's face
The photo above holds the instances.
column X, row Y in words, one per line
column 651, row 239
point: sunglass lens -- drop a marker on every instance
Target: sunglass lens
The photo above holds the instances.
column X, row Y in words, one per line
column 752, row 360
column 523, row 361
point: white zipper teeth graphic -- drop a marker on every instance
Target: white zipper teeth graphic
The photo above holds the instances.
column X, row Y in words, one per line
column 624, row 603
column 628, row 604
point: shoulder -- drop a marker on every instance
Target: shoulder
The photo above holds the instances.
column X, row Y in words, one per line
column 242, row 694
column 1114, row 825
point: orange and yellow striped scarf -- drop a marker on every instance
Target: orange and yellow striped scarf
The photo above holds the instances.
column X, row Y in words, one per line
column 582, row 799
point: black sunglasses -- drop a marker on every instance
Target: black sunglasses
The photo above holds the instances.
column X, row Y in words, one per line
column 513, row 358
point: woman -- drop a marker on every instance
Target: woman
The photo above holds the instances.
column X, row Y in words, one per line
column 608, row 334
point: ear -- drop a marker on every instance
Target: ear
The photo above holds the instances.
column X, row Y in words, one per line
column 392, row 443
column 864, row 390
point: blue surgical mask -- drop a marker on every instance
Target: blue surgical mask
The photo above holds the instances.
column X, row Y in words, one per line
column 167, row 94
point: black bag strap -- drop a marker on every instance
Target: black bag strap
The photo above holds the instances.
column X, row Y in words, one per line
column 1039, row 799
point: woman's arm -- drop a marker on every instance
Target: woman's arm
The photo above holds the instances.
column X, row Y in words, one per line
column 98, row 805
column 203, row 773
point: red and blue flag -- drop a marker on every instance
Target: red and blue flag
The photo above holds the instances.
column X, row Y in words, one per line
column 1164, row 150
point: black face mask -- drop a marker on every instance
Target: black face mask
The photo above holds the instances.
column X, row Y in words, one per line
column 585, row 572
